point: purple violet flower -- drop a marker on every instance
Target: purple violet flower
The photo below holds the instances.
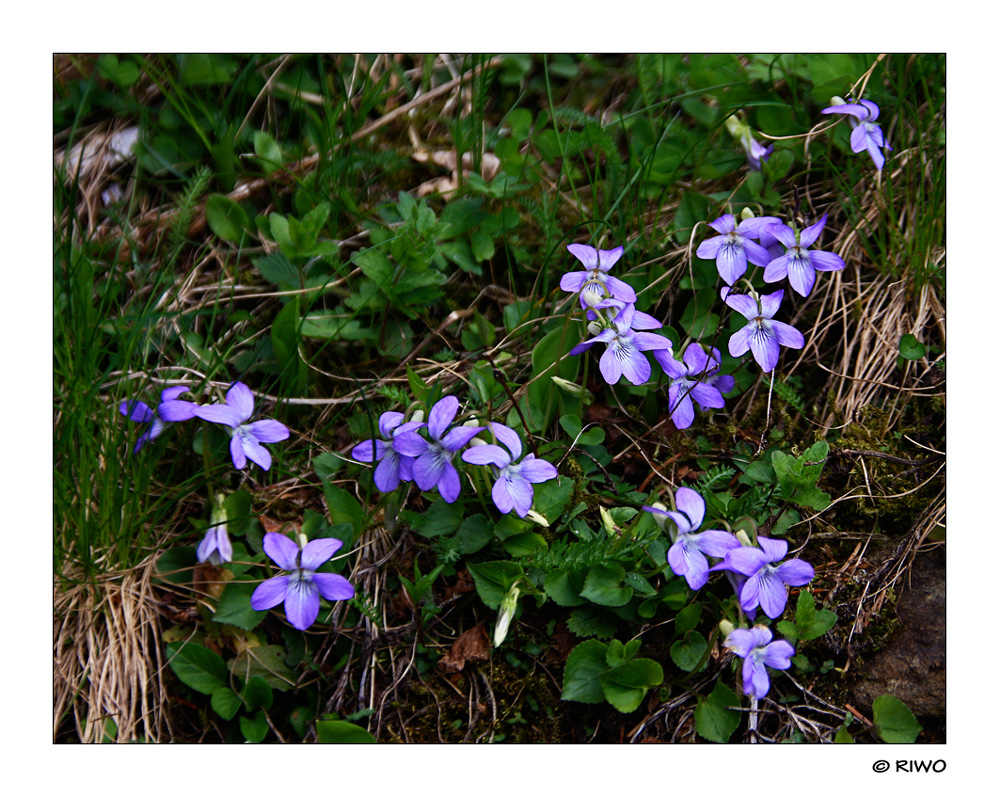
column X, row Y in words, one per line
column 169, row 410
column 687, row 554
column 512, row 489
column 301, row 588
column 595, row 283
column 867, row 133
column 215, row 546
column 432, row 467
column 688, row 381
column 766, row 584
column 735, row 246
column 394, row 452
column 798, row 262
column 759, row 653
column 246, row 438
column 723, row 383
column 625, row 347
column 762, row 336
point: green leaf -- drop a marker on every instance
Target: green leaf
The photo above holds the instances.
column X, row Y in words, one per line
column 712, row 719
column 344, row 509
column 552, row 497
column 911, row 348
column 699, row 320
column 693, row 208
column 591, row 621
column 326, row 465
column 760, row 472
column 687, row 619
column 603, row 586
column 257, row 694
column 267, row 662
column 234, row 607
column 267, row 150
column 441, row 518
column 225, row 702
column 227, row 218
column 524, row 544
column 473, row 534
column 809, row 622
column 894, row 721
column 625, row 686
column 494, row 579
column 843, row 736
column 543, row 397
column 582, row 674
column 564, row 587
column 285, row 340
column 334, row 732
column 687, row 653
column 276, row 268
column 198, row 667
column 254, row 729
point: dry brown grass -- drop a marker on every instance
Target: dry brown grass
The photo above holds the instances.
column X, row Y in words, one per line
column 108, row 659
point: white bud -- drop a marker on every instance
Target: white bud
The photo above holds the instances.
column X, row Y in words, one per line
column 478, row 442
column 507, row 609
column 537, row 518
column 302, row 539
column 418, row 416
column 743, row 538
column 746, row 213
column 836, row 100
column 725, row 628
column 569, row 387
column 594, row 328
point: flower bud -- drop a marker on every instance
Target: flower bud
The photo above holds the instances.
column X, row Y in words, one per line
column 725, row 628
column 835, row 100
column 743, row 538
column 302, row 539
column 507, row 609
column 609, row 523
column 418, row 416
column 661, row 520
column 537, row 518
column 594, row 328
column 218, row 515
column 570, row 387
column 478, row 442
column 736, row 126
column 746, row 213
column 591, row 298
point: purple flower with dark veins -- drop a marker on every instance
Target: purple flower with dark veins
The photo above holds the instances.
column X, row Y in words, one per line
column 799, row 262
column 688, row 381
column 301, row 588
column 169, row 410
column 246, row 437
column 759, row 653
column 432, row 467
column 595, row 283
column 512, row 489
column 687, row 554
column 394, row 452
column 762, row 336
column 765, row 586
column 867, row 133
column 736, row 245
column 215, row 547
column 624, row 349
column 723, row 383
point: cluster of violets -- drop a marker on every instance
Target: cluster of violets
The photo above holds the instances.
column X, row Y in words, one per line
column 614, row 321
column 758, row 575
column 301, row 588
column 402, row 454
column 235, row 413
